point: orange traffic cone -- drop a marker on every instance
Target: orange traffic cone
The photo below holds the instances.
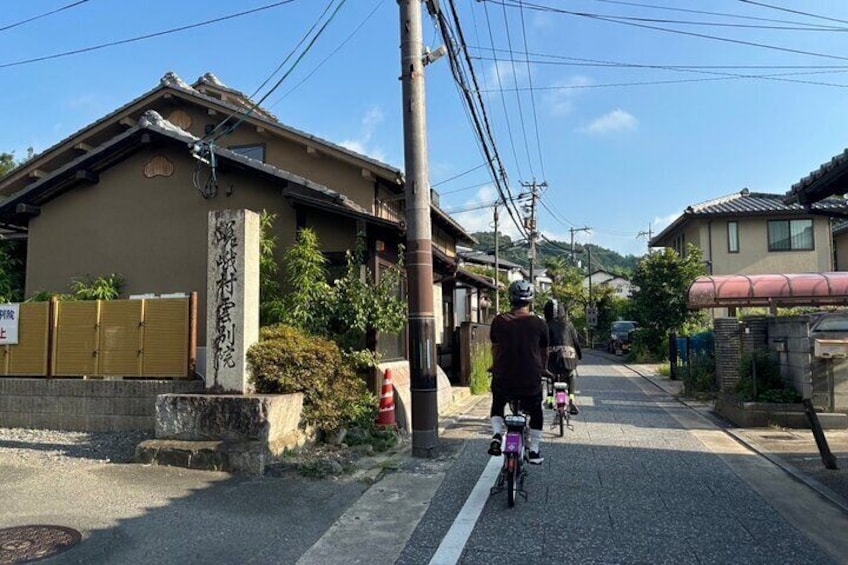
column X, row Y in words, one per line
column 387, row 403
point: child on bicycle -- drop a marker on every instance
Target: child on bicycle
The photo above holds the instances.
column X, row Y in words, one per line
column 564, row 351
column 519, row 340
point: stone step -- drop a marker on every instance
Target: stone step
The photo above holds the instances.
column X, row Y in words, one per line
column 245, row 457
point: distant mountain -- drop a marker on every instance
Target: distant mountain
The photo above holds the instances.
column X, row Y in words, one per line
column 602, row 258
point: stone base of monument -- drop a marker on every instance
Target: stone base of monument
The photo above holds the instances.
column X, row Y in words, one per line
column 233, row 433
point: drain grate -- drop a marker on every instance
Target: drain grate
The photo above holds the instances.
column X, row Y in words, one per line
column 24, row 544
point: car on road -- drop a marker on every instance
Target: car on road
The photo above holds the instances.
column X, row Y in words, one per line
column 621, row 336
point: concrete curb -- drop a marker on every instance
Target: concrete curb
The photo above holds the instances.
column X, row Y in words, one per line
column 789, row 469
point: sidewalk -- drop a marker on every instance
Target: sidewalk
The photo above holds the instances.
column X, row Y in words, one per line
column 793, row 450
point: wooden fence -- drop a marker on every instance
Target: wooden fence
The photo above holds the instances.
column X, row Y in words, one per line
column 154, row 337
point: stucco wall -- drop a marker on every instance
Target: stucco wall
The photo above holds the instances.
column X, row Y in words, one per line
column 754, row 256
column 289, row 156
column 840, row 244
column 152, row 231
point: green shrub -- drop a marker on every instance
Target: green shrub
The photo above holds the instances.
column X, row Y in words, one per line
column 664, row 370
column 699, row 376
column 286, row 361
column 480, row 381
column 767, row 376
column 101, row 288
column 785, row 396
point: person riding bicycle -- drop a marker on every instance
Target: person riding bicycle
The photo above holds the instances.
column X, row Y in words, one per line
column 519, row 341
column 564, row 351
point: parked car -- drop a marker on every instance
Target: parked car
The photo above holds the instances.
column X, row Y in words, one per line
column 621, row 336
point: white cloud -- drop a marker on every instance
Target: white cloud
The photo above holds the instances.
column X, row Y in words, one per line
column 481, row 218
column 659, row 223
column 617, row 121
column 560, row 101
column 362, row 142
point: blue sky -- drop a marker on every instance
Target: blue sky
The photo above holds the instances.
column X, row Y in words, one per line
column 616, row 158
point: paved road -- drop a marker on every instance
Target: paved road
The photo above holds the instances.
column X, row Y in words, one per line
column 641, row 479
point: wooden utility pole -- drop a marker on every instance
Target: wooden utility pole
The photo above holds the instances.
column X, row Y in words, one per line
column 419, row 247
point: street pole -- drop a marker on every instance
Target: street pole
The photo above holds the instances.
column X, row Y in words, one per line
column 531, row 223
column 497, row 265
column 649, row 234
column 573, row 251
column 419, row 248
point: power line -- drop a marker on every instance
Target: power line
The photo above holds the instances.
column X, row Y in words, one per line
column 464, row 188
column 773, row 76
column 479, row 118
column 332, row 53
column 704, row 12
column 44, row 15
column 621, row 21
column 282, row 78
column 503, row 98
column 559, row 217
column 517, row 95
column 800, row 13
column 462, row 174
column 143, row 37
column 532, row 95
column 583, row 62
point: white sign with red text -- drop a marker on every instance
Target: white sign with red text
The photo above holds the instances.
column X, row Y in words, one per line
column 9, row 315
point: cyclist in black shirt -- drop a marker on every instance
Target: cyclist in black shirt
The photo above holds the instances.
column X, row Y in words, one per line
column 563, row 351
column 519, row 341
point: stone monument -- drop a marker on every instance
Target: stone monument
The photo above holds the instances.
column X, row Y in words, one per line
column 232, row 298
column 229, row 428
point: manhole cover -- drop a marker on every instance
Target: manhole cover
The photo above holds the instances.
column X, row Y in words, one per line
column 24, row 544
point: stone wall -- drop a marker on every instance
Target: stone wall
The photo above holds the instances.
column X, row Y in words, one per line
column 85, row 405
column 727, row 352
column 789, row 342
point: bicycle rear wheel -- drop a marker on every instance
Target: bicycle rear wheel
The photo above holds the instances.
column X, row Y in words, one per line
column 511, row 480
column 561, row 418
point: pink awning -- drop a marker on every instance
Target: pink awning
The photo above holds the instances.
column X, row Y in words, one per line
column 803, row 289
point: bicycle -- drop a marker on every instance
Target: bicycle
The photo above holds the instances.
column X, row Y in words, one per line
column 513, row 471
column 562, row 414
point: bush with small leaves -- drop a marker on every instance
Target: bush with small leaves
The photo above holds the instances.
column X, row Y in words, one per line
column 287, row 360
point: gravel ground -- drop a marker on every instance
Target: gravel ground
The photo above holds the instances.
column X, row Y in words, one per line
column 68, row 448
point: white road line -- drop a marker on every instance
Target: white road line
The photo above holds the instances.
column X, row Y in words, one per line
column 450, row 549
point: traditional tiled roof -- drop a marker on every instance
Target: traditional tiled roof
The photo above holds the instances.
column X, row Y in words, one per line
column 747, row 203
column 46, row 188
column 486, row 259
column 827, row 180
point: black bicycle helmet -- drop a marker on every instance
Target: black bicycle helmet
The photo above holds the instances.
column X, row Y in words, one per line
column 521, row 293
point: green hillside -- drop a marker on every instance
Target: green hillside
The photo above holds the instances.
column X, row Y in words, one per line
column 602, row 258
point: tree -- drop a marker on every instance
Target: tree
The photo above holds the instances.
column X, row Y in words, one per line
column 567, row 285
column 660, row 303
column 271, row 306
column 7, row 163
column 306, row 303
